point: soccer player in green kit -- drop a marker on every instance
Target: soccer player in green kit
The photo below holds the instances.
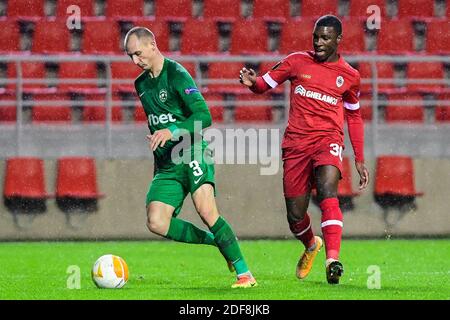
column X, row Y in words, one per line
column 175, row 107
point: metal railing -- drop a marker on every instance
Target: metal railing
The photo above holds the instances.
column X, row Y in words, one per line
column 106, row 85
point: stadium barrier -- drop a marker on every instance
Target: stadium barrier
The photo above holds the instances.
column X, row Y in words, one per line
column 255, row 212
column 25, row 137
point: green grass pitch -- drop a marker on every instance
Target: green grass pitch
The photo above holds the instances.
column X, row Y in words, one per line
column 164, row 270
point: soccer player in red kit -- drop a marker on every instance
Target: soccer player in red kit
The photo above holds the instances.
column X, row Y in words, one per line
column 324, row 90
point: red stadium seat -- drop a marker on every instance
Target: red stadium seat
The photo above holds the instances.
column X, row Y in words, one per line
column 252, row 113
column 124, row 8
column 365, row 100
column 353, row 36
column 442, row 113
column 316, row 8
column 25, row 178
column 217, row 9
column 249, row 36
column 385, row 72
column 365, row 72
column 7, row 111
column 160, row 29
column 124, row 71
column 94, row 113
column 86, row 7
column 75, row 71
column 395, row 176
column 358, row 8
column 26, row 8
column 31, row 71
column 416, row 8
column 51, row 37
column 44, row 113
column 228, row 72
column 345, row 188
column 438, row 37
column 367, row 113
column 270, row 9
column 425, row 70
column 139, row 114
column 173, row 9
column 10, row 39
column 396, row 37
column 195, row 31
column 190, row 67
column 296, row 35
column 409, row 112
column 101, row 37
column 34, row 77
column 77, row 178
column 214, row 102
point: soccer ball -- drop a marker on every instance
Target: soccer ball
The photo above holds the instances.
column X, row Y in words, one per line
column 110, row 271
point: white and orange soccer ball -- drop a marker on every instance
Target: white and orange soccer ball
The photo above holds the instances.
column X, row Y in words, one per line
column 110, row 271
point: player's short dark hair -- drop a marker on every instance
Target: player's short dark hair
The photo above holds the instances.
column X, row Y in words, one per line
column 330, row 21
column 139, row 32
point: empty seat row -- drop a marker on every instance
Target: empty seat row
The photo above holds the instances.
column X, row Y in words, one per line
column 408, row 107
column 243, row 107
column 245, row 36
column 76, row 178
column 88, row 77
column 394, row 183
column 59, row 108
column 415, row 76
column 233, row 8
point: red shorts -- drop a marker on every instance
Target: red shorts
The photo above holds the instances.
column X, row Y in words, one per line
column 300, row 161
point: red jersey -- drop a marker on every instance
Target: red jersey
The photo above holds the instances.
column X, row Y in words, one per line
column 319, row 93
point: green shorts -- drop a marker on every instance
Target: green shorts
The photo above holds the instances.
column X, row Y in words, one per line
column 172, row 185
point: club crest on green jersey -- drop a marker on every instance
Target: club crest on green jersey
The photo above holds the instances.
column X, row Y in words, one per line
column 163, row 95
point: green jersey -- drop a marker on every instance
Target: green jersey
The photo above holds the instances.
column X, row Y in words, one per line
column 172, row 100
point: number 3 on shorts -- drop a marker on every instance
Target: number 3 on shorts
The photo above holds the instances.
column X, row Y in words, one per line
column 196, row 170
column 336, row 150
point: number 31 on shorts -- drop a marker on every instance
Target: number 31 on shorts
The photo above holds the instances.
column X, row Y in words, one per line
column 336, row 150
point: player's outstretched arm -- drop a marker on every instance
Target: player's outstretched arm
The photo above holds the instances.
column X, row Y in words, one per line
column 249, row 79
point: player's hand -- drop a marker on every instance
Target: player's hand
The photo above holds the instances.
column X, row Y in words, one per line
column 363, row 175
column 159, row 138
column 247, row 77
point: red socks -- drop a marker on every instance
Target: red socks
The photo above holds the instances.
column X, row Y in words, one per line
column 302, row 231
column 331, row 227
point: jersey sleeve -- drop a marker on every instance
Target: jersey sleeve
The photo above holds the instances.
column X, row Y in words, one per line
column 279, row 73
column 351, row 96
column 193, row 100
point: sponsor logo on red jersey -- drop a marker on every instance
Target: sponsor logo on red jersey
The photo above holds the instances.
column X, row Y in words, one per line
column 315, row 95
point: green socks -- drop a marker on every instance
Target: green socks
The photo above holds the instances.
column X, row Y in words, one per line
column 228, row 245
column 221, row 235
column 184, row 231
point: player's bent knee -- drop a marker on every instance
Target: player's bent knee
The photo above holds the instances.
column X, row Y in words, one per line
column 156, row 224
column 208, row 215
